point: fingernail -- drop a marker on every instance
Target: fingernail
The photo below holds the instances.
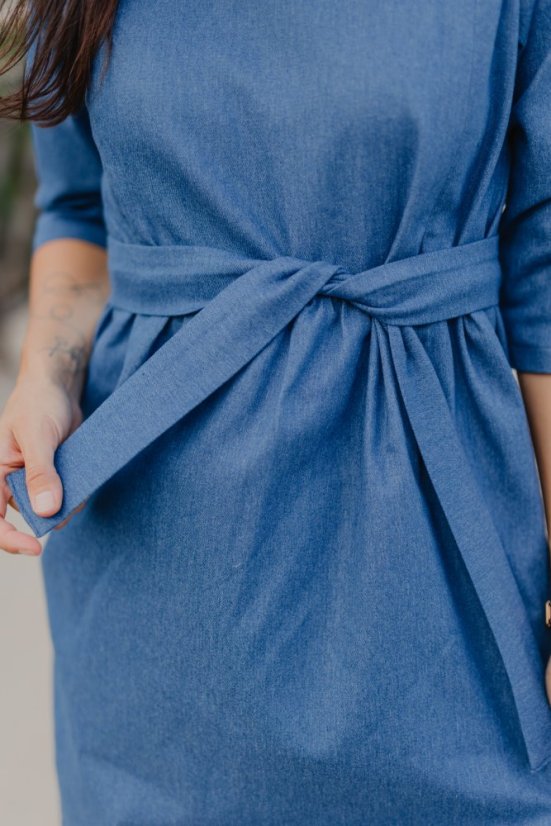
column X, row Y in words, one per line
column 44, row 501
column 27, row 552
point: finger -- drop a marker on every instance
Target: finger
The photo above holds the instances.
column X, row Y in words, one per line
column 68, row 518
column 13, row 541
column 43, row 482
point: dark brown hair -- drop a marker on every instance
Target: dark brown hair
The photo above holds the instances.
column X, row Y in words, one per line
column 64, row 35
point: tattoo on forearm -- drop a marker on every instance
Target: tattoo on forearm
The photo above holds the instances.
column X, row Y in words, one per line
column 75, row 355
column 63, row 302
column 61, row 312
column 65, row 291
column 63, row 284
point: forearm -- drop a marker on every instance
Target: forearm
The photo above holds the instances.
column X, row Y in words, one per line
column 536, row 392
column 68, row 288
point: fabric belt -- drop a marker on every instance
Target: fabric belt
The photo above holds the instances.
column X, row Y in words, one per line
column 244, row 303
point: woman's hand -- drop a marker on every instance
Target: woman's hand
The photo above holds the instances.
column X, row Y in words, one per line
column 38, row 416
column 69, row 285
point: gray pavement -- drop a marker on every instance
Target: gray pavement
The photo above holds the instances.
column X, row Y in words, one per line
column 28, row 789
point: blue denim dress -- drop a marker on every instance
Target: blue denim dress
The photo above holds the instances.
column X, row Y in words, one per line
column 307, row 585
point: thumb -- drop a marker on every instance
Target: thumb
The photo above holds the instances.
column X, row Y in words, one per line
column 43, row 482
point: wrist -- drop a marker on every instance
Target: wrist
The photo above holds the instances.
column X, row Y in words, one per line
column 58, row 366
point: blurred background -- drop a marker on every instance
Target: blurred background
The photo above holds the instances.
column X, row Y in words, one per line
column 28, row 792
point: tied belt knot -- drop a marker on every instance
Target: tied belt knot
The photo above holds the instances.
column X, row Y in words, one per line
column 432, row 286
column 240, row 305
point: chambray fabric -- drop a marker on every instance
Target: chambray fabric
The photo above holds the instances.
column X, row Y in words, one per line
column 307, row 585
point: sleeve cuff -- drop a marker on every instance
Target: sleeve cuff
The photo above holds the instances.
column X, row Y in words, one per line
column 50, row 227
column 530, row 359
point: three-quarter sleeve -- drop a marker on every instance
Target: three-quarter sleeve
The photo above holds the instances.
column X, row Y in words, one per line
column 68, row 195
column 525, row 225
